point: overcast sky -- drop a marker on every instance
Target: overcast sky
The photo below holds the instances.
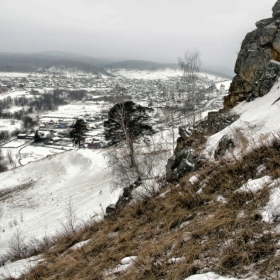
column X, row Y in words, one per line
column 157, row 30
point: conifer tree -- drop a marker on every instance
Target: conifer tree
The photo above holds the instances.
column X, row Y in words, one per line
column 127, row 122
column 78, row 132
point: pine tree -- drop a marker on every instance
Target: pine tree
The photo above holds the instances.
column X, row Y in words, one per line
column 127, row 122
column 37, row 137
column 78, row 132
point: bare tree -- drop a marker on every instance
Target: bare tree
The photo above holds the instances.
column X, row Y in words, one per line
column 190, row 64
column 170, row 117
column 17, row 247
column 71, row 219
column 126, row 123
column 3, row 163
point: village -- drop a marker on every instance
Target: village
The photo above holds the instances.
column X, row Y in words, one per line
column 94, row 96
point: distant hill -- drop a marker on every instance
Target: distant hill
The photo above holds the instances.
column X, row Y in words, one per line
column 224, row 74
column 58, row 55
column 149, row 65
column 29, row 62
column 140, row 65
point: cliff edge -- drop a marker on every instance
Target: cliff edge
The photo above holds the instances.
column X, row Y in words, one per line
column 257, row 65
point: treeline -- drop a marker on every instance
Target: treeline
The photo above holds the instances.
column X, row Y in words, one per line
column 111, row 98
column 40, row 103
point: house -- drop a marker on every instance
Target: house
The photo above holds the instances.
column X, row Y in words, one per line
column 94, row 146
column 22, row 136
column 61, row 125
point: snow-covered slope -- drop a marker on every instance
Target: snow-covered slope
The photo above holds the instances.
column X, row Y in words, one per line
column 34, row 198
column 259, row 121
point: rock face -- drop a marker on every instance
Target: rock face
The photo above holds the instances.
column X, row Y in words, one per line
column 186, row 157
column 124, row 199
column 255, row 66
column 225, row 144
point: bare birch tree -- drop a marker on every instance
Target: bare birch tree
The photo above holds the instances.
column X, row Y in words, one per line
column 190, row 64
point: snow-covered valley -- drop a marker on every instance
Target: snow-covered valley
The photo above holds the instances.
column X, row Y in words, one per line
column 39, row 196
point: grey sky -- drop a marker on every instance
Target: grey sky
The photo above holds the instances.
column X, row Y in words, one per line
column 157, row 30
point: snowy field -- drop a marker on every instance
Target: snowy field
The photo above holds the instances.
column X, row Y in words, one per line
column 74, row 110
column 149, row 75
column 9, row 124
column 42, row 190
column 15, row 143
column 22, row 153
column 159, row 74
column 16, row 93
column 33, row 153
column 14, row 74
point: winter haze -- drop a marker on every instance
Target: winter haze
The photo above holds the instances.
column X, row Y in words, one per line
column 157, row 30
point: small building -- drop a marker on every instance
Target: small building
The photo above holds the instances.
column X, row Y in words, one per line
column 61, row 125
column 94, row 146
column 22, row 136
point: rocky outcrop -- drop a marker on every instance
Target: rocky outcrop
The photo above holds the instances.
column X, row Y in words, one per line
column 180, row 164
column 125, row 198
column 186, row 158
column 255, row 66
column 225, row 144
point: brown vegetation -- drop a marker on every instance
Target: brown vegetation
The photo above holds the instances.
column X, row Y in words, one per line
column 187, row 230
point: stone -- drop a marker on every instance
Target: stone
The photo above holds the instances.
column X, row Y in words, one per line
column 179, row 165
column 276, row 10
column 262, row 23
column 268, row 34
column 276, row 42
column 225, row 144
column 255, row 75
column 110, row 209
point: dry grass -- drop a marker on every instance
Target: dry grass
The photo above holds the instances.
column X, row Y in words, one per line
column 227, row 237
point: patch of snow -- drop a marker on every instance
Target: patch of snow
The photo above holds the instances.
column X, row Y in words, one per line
column 175, row 260
column 184, row 224
column 212, row 276
column 194, row 179
column 40, row 192
column 124, row 264
column 163, row 195
column 17, row 268
column 272, row 208
column 80, row 244
column 221, row 199
column 128, row 260
column 255, row 185
column 259, row 123
column 9, row 124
